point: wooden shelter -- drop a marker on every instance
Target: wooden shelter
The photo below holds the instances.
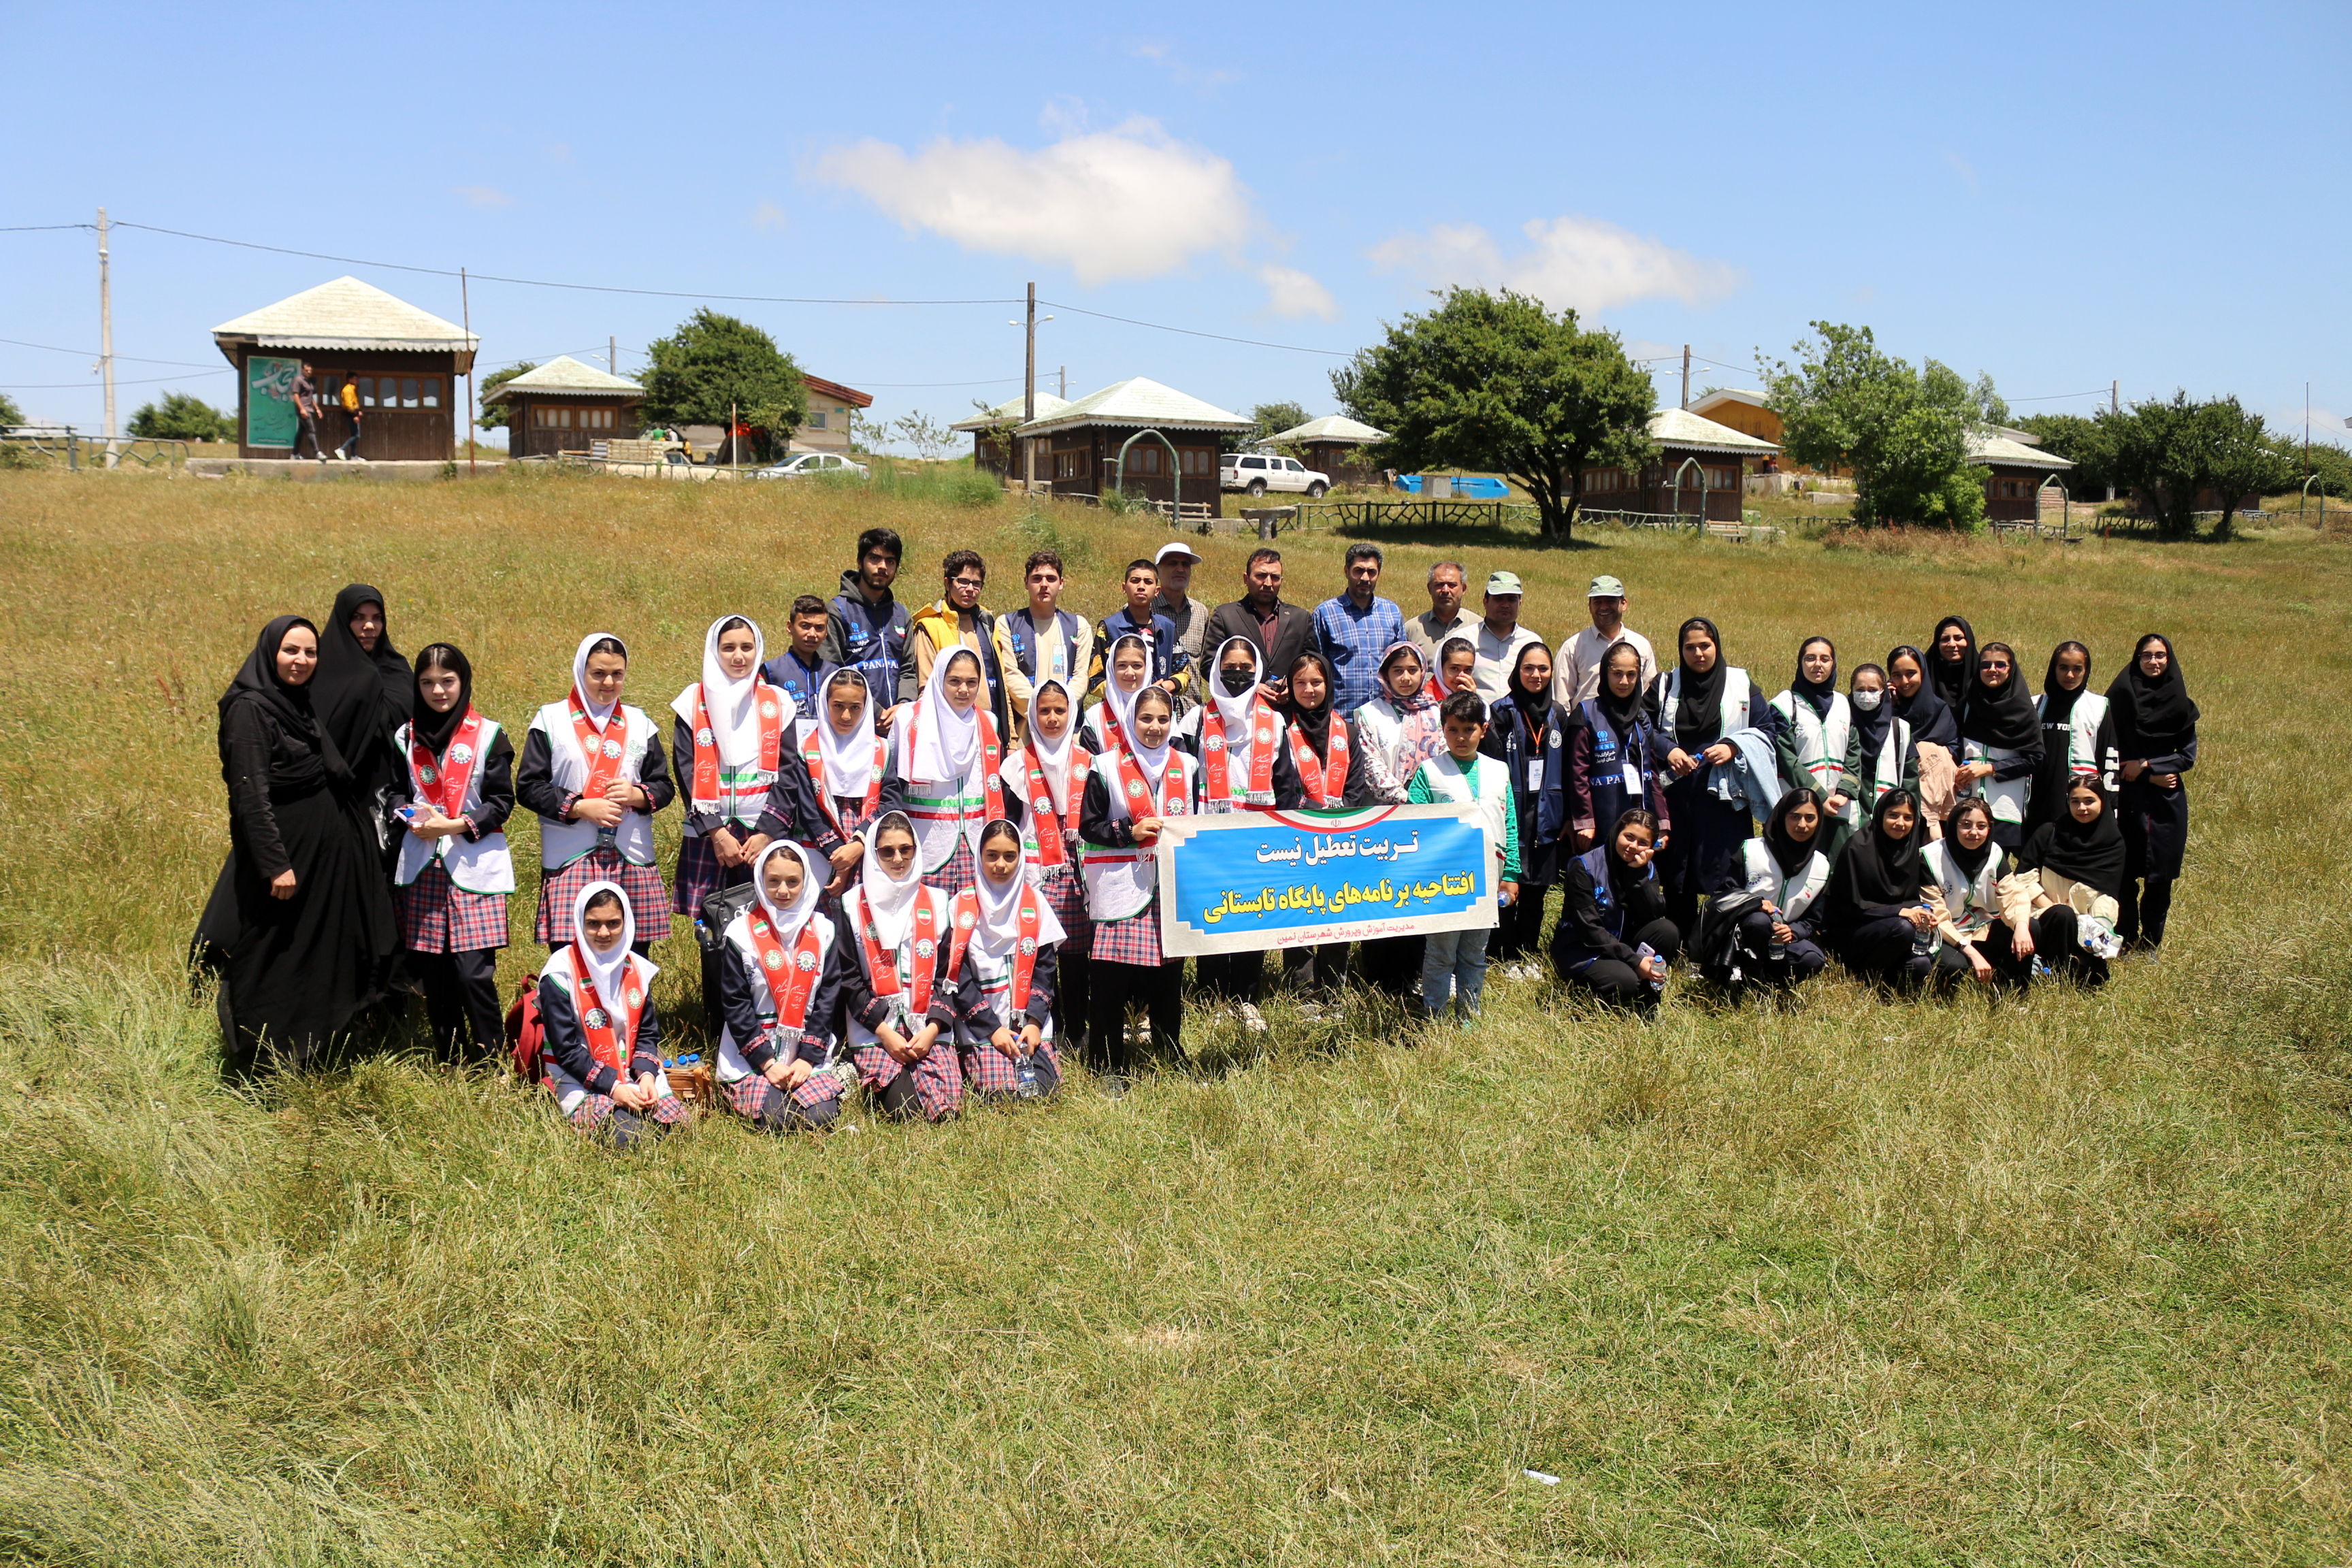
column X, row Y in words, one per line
column 994, row 451
column 403, row 361
column 1333, row 444
column 1696, row 456
column 565, row 405
column 2014, row 469
column 1081, row 444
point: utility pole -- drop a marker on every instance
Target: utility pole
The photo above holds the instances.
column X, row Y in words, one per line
column 106, row 337
column 1029, row 396
column 1686, row 376
column 1066, row 383
column 612, row 355
column 2115, row 400
column 466, row 319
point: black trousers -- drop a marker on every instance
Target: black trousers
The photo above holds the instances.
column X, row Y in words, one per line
column 1518, row 929
column 1881, row 950
column 2057, row 936
column 1073, row 983
column 2009, row 972
column 2154, row 824
column 2146, row 905
column 1800, row 960
column 1322, row 969
column 1619, row 983
column 1392, row 964
column 1158, row 988
column 461, row 997
column 1231, row 977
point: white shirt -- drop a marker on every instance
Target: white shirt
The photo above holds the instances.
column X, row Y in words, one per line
column 1575, row 673
column 1496, row 656
column 1424, row 633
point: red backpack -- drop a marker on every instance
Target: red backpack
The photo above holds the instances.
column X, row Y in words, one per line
column 527, row 1036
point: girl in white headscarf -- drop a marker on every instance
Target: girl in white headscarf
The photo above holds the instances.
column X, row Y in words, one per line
column 951, row 756
column 1044, row 782
column 897, row 999
column 603, row 1059
column 1108, row 721
column 593, row 770
column 1238, row 737
column 1131, row 795
column 840, row 776
column 729, row 736
column 779, row 991
column 1004, row 960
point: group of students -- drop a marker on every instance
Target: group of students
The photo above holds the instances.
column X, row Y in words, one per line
column 917, row 848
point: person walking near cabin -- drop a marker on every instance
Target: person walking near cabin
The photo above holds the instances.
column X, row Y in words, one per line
column 603, row 1059
column 592, row 771
column 350, row 398
column 306, row 413
column 451, row 882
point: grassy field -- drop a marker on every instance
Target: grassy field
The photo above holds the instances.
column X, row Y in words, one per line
column 1850, row 1282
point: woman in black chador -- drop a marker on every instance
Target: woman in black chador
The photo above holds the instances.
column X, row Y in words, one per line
column 299, row 924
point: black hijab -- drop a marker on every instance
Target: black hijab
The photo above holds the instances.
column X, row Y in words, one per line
column 1623, row 879
column 1315, row 723
column 259, row 682
column 2057, row 702
column 1924, row 711
column 1787, row 853
column 1872, row 726
column 436, row 729
column 2091, row 853
column 1623, row 714
column 1698, row 714
column 2001, row 715
column 1816, row 692
column 1883, row 870
column 361, row 697
column 1971, row 862
column 1952, row 681
column 2153, row 718
column 1534, row 707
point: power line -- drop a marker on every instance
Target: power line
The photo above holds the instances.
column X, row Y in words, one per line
column 43, row 228
column 2061, row 396
column 1191, row 333
column 92, row 353
column 996, row 381
column 72, row 385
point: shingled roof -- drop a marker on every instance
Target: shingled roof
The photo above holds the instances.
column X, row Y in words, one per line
column 344, row 314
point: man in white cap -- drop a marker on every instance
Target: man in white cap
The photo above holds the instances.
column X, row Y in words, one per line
column 1500, row 636
column 1175, row 599
column 1575, row 673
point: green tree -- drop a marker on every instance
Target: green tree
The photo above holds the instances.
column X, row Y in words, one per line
column 1902, row 434
column 494, row 414
column 1266, row 419
column 10, row 414
column 715, row 364
column 2180, row 453
column 2088, row 444
column 929, row 440
column 181, row 416
column 1497, row 382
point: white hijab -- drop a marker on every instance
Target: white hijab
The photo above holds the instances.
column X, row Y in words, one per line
column 732, row 704
column 788, row 919
column 597, row 716
column 606, row 970
column 889, row 900
column 1122, row 703
column 848, row 760
column 1237, row 711
column 947, row 743
column 1000, row 914
column 1153, row 760
column 1053, row 756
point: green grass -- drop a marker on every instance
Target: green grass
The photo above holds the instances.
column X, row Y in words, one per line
column 1849, row 1283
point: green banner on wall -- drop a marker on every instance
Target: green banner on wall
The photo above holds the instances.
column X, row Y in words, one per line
column 270, row 419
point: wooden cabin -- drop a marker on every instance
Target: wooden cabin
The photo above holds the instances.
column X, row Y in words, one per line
column 993, row 450
column 1707, row 461
column 1333, row 444
column 1079, row 445
column 2014, row 472
column 565, row 405
column 404, row 363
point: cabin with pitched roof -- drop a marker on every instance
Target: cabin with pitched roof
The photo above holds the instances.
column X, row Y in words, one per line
column 1082, row 443
column 1698, row 460
column 1333, row 444
column 565, row 405
column 828, row 425
column 993, row 450
column 2015, row 469
column 403, row 362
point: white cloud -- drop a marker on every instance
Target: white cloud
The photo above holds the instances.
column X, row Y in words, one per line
column 485, row 196
column 1293, row 293
column 1578, row 262
column 769, row 216
column 1128, row 203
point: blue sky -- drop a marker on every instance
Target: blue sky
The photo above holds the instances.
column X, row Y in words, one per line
column 2058, row 194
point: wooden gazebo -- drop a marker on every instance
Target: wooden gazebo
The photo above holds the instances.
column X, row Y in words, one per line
column 403, row 361
column 565, row 405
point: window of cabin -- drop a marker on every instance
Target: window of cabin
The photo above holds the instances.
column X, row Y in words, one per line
column 367, row 391
column 816, row 419
column 408, row 395
column 1145, row 459
column 1195, row 459
column 432, row 391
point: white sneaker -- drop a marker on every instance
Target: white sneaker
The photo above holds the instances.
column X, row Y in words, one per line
column 1251, row 1019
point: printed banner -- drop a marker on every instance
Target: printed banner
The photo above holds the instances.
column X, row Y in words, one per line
column 1246, row 880
column 270, row 419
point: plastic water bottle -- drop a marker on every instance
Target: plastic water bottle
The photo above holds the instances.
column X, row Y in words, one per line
column 1643, row 954
column 1028, row 1082
column 1923, row 942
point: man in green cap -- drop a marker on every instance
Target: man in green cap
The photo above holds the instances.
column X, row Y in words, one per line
column 1575, row 673
column 1500, row 636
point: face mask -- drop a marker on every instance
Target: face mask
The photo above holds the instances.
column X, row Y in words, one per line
column 1868, row 700
column 1236, row 681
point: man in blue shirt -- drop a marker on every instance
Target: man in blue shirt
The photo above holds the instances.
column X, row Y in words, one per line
column 868, row 625
column 1171, row 666
column 1355, row 628
column 802, row 668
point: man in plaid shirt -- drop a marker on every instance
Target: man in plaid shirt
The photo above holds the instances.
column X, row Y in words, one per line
column 1355, row 628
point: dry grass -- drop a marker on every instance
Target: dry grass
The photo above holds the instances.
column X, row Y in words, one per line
column 1850, row 1282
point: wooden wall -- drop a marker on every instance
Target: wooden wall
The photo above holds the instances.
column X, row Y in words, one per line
column 418, row 402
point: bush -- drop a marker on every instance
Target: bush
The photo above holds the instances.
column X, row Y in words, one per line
column 181, row 416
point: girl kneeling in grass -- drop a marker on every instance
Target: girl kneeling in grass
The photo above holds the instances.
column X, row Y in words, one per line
column 780, row 976
column 1874, row 912
column 1007, row 941
column 1130, row 794
column 1454, row 962
column 897, row 999
column 1614, row 937
column 603, row 1037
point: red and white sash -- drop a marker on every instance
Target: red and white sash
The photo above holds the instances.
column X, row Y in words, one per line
column 706, row 794
column 610, row 1045
column 791, row 978
column 1025, row 948
column 882, row 968
column 991, row 758
column 603, row 754
column 1216, row 776
column 443, row 786
column 813, row 754
column 1326, row 781
column 1138, row 793
column 1055, row 830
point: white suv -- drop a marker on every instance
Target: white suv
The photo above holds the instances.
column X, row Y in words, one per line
column 1258, row 472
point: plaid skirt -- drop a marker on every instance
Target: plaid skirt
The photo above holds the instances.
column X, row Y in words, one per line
column 642, row 883
column 939, row 1082
column 1064, row 893
column 1135, row 940
column 596, row 1110
column 700, row 875
column 987, row 1070
column 438, row 916
column 958, row 872
column 755, row 1097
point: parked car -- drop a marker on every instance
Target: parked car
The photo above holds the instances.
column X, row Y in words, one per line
column 1258, row 472
column 803, row 464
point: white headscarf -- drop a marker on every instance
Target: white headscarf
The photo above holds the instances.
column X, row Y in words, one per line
column 848, row 760
column 889, row 900
column 606, row 970
column 999, row 913
column 1153, row 759
column 1053, row 756
column 1122, row 703
column 788, row 919
column 598, row 716
column 947, row 743
column 1237, row 711
column 732, row 704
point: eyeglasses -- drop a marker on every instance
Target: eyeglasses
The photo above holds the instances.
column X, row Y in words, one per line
column 899, row 852
column 971, row 582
